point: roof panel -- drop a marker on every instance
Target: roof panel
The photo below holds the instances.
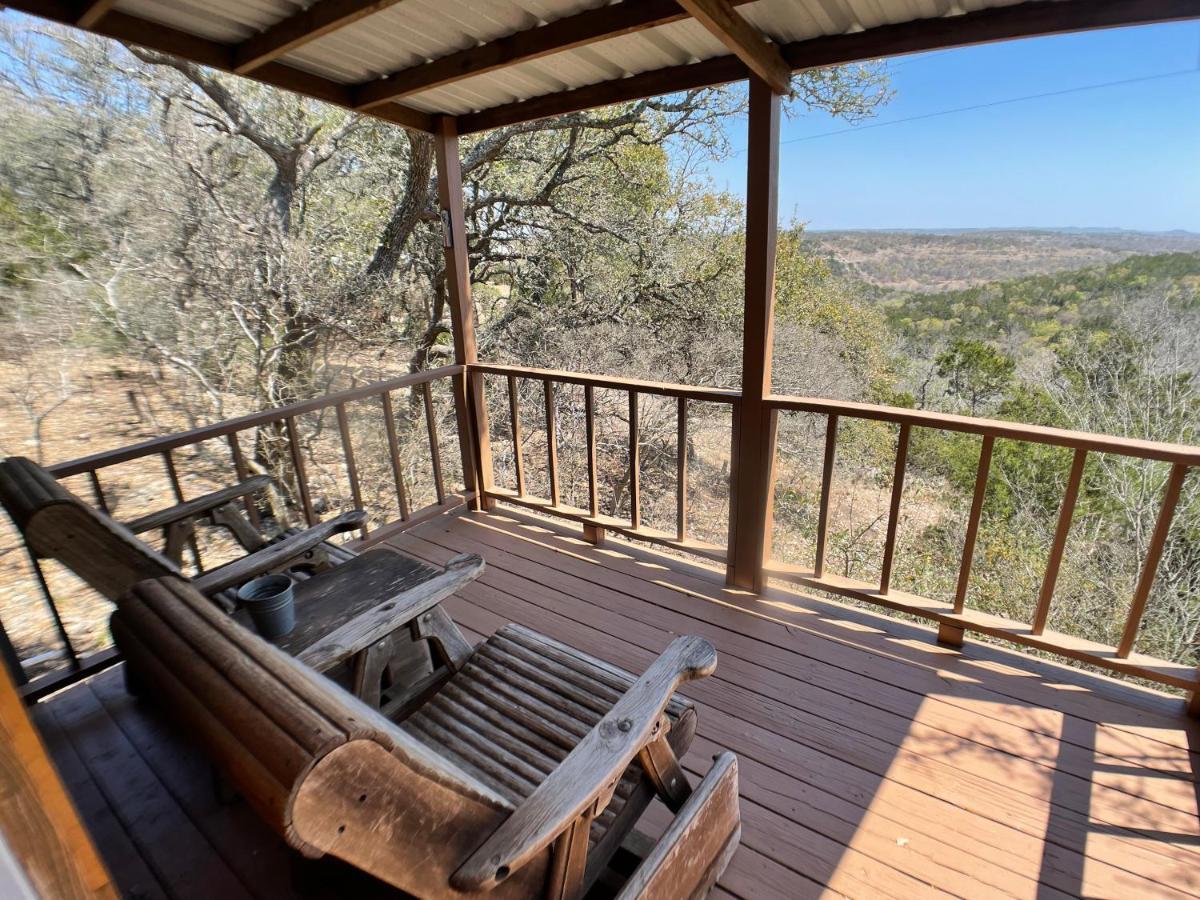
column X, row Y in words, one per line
column 411, row 32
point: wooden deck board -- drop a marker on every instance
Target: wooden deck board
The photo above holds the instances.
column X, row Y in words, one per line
column 873, row 761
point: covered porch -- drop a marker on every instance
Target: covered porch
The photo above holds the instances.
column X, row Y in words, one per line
column 879, row 755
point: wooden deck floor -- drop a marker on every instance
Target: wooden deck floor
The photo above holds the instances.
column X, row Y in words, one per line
column 872, row 761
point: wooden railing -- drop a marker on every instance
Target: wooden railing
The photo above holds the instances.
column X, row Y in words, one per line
column 951, row 614
column 953, row 617
column 285, row 419
column 595, row 523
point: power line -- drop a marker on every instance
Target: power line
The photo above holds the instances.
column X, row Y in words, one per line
column 990, row 104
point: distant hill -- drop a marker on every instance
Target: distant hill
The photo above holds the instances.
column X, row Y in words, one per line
column 1040, row 306
column 944, row 260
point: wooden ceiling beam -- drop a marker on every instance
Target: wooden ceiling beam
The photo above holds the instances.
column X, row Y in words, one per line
column 318, row 20
column 711, row 72
column 1045, row 17
column 214, row 54
column 93, row 12
column 747, row 43
column 568, row 33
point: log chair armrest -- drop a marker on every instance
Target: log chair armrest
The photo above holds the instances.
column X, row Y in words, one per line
column 275, row 555
column 199, row 506
column 405, row 607
column 590, row 772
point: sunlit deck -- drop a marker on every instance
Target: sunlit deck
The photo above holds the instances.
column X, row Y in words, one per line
column 873, row 762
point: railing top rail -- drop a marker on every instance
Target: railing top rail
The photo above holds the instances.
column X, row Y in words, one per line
column 263, row 417
column 691, row 392
column 1040, row 434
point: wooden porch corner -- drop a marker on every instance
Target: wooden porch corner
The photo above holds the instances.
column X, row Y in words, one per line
column 873, row 761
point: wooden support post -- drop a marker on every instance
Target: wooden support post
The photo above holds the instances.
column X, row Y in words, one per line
column 470, row 409
column 750, row 499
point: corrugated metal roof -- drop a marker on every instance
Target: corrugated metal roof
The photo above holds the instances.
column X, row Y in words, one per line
column 413, row 32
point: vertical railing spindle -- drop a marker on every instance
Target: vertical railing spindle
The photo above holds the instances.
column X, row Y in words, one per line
column 1158, row 540
column 514, row 414
column 681, row 469
column 348, row 458
column 551, row 441
column 98, row 491
column 635, row 489
column 389, row 421
column 589, row 413
column 968, row 551
column 1054, row 561
column 168, row 458
column 59, row 625
column 243, row 472
column 298, row 468
column 889, row 546
column 434, row 453
column 831, row 428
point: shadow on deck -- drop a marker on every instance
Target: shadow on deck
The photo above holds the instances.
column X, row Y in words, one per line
column 873, row 762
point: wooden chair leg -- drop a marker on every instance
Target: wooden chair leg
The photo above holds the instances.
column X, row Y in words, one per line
column 448, row 644
column 662, row 768
column 369, row 666
column 234, row 520
column 565, row 881
column 175, row 537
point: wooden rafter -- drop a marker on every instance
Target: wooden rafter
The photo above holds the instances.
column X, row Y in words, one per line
column 93, row 12
column 131, row 29
column 320, row 19
column 985, row 26
column 568, row 33
column 747, row 43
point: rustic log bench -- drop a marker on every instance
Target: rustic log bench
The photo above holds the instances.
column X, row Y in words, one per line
column 108, row 556
column 518, row 774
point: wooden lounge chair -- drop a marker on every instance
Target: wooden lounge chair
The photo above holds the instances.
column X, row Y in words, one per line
column 518, row 774
column 109, row 556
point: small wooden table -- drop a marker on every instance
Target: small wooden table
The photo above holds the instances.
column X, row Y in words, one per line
column 342, row 615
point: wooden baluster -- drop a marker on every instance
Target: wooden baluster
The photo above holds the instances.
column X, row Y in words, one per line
column 889, row 546
column 950, row 634
column 681, row 469
column 98, row 491
column 1054, row 562
column 968, row 552
column 551, row 440
column 298, row 468
column 59, row 625
column 243, row 472
column 514, row 415
column 435, row 454
column 593, row 533
column 348, row 458
column 831, row 428
column 389, row 420
column 635, row 492
column 1158, row 540
column 168, row 459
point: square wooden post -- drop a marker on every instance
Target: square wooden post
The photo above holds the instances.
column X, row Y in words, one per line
column 469, row 403
column 751, row 464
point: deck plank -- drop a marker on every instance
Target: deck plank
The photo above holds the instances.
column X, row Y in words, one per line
column 1023, row 853
column 129, row 869
column 181, row 857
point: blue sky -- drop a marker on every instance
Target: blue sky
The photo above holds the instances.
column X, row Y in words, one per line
column 1126, row 155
